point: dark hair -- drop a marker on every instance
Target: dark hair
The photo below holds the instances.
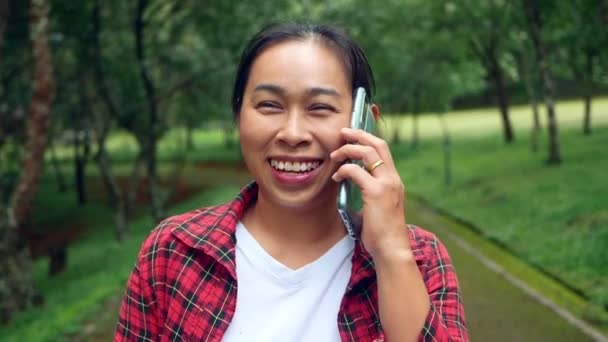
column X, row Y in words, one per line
column 354, row 57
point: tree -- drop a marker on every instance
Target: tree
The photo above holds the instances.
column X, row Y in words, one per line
column 17, row 290
column 485, row 25
column 522, row 51
column 584, row 37
column 534, row 16
column 150, row 139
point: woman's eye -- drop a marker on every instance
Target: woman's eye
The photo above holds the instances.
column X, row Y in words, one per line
column 322, row 108
column 269, row 106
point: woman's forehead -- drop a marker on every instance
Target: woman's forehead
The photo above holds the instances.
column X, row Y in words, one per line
column 299, row 63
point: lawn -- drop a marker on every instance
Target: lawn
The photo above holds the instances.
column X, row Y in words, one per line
column 554, row 217
column 486, row 122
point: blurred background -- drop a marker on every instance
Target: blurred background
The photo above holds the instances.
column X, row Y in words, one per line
column 115, row 114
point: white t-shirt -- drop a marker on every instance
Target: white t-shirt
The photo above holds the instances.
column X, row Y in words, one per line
column 276, row 303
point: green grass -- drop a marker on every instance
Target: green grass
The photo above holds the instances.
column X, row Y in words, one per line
column 98, row 268
column 172, row 146
column 485, row 122
column 495, row 309
column 555, row 218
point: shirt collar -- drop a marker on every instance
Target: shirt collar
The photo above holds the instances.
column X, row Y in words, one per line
column 212, row 230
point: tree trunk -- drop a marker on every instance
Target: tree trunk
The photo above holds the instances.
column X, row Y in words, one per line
column 61, row 183
column 588, row 91
column 487, row 55
column 396, row 138
column 526, row 72
column 415, row 135
column 82, row 142
column 121, row 200
column 535, row 124
column 228, row 136
column 416, row 99
column 114, row 192
column 133, row 184
column 502, row 97
column 152, row 133
column 447, row 149
column 189, row 137
column 17, row 290
column 156, row 198
column 79, row 170
column 534, row 19
column 100, row 81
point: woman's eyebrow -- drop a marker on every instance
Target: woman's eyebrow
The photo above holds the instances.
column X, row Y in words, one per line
column 315, row 91
column 312, row 92
column 273, row 88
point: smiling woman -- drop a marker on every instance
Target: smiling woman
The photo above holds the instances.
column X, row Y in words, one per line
column 281, row 241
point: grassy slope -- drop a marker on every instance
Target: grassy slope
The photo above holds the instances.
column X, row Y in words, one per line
column 98, row 268
column 554, row 217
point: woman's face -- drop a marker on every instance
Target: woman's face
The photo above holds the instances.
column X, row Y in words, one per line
column 297, row 98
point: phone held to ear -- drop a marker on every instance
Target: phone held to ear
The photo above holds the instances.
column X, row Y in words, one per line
column 350, row 201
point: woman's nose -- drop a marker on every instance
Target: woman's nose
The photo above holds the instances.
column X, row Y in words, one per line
column 294, row 130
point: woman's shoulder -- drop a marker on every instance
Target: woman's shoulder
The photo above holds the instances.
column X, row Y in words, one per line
column 426, row 246
column 421, row 236
column 191, row 227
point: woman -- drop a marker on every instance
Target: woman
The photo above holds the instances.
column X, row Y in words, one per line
column 276, row 264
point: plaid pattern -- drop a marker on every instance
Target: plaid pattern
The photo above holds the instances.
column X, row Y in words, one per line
column 183, row 286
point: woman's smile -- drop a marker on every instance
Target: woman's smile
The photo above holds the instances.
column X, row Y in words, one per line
column 295, row 172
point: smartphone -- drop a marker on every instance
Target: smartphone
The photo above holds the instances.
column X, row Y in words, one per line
column 350, row 201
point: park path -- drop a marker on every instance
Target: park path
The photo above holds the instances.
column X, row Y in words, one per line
column 495, row 309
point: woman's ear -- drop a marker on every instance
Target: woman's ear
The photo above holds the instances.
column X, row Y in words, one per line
column 376, row 111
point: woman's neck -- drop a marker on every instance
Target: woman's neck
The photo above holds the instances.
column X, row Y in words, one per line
column 294, row 236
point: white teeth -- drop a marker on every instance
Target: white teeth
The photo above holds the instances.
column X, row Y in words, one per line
column 294, row 166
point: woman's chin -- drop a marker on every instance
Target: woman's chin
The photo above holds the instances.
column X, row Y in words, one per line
column 304, row 199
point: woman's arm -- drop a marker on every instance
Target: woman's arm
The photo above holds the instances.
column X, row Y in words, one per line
column 414, row 303
column 139, row 316
column 415, row 309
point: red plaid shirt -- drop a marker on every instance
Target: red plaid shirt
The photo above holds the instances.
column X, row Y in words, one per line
column 183, row 286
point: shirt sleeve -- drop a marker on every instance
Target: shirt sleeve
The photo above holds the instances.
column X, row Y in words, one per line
column 445, row 320
column 138, row 317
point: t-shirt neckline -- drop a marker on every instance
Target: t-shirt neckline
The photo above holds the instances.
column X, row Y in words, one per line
column 263, row 261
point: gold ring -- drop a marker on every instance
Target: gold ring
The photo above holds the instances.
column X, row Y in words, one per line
column 375, row 165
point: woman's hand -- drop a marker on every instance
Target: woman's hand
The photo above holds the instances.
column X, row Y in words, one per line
column 383, row 233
